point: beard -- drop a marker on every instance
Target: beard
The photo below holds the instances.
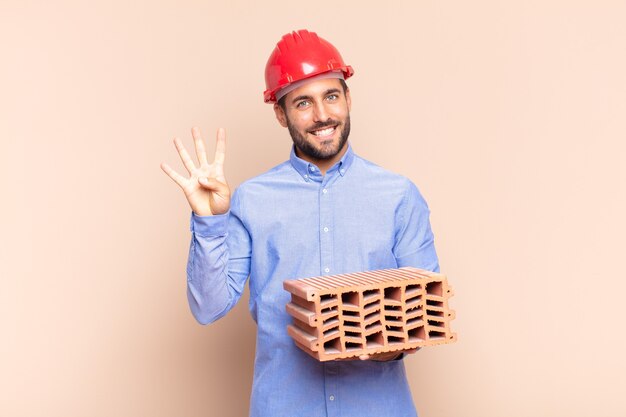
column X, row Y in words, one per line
column 326, row 151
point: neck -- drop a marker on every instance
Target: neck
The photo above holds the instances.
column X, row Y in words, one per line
column 323, row 164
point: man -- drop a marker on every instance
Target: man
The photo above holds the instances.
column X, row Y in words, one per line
column 324, row 211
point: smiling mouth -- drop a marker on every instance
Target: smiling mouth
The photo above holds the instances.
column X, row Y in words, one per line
column 324, row 132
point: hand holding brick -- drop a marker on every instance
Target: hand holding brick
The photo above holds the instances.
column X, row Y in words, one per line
column 348, row 315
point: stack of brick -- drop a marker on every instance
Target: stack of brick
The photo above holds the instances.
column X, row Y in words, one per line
column 348, row 315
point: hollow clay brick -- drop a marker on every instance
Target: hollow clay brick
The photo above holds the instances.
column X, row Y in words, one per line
column 348, row 315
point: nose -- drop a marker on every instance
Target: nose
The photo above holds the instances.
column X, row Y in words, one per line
column 320, row 113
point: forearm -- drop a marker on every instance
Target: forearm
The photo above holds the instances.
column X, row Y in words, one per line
column 207, row 278
column 415, row 244
column 214, row 281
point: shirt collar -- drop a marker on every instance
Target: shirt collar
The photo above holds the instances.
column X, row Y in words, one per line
column 307, row 169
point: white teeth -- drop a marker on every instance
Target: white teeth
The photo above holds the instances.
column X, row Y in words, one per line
column 324, row 132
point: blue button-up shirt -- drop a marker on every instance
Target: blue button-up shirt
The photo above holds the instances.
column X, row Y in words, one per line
column 294, row 222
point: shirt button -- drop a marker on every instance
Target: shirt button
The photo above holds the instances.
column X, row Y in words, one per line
column 327, row 270
column 306, row 176
column 332, row 398
column 312, row 169
column 326, row 229
column 324, row 190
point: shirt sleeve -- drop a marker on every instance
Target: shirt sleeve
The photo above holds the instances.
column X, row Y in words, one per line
column 415, row 245
column 219, row 262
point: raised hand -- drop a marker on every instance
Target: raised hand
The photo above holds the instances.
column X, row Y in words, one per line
column 206, row 189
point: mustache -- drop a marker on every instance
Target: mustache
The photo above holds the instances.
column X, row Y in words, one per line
column 321, row 125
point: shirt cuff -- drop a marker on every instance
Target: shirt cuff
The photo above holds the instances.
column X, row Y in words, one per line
column 209, row 226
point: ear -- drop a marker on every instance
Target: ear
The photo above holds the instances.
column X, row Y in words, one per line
column 280, row 115
column 348, row 99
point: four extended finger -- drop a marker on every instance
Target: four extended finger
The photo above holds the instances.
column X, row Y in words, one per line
column 178, row 179
column 184, row 155
column 199, row 144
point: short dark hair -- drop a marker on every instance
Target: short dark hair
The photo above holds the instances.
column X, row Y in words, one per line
column 282, row 104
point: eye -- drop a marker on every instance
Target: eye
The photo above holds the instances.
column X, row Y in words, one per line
column 332, row 97
column 302, row 104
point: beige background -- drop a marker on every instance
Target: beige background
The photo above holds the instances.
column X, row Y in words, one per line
column 509, row 116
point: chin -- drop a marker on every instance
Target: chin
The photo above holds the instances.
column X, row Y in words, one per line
column 320, row 149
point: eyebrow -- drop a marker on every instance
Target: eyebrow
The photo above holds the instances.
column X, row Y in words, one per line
column 305, row 97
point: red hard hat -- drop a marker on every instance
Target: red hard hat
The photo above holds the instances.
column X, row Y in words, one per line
column 297, row 56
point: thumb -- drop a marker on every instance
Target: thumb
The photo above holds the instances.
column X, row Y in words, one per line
column 210, row 183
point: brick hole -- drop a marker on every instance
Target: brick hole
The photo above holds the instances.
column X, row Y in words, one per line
column 332, row 314
column 415, row 308
column 394, row 328
column 414, row 320
column 333, row 322
column 393, row 293
column 374, row 340
column 373, row 324
column 434, row 334
column 417, row 334
column 435, row 323
column 393, row 320
column 350, row 313
column 329, row 309
column 351, row 346
column 327, row 332
column 393, row 308
column 370, row 315
column 329, row 313
column 370, row 305
column 351, row 323
column 370, row 294
column 434, row 313
column 327, row 298
column 332, row 346
column 394, row 340
column 350, row 298
column 413, row 303
column 331, row 332
column 412, row 290
column 352, row 334
column 434, row 303
column 434, row 288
